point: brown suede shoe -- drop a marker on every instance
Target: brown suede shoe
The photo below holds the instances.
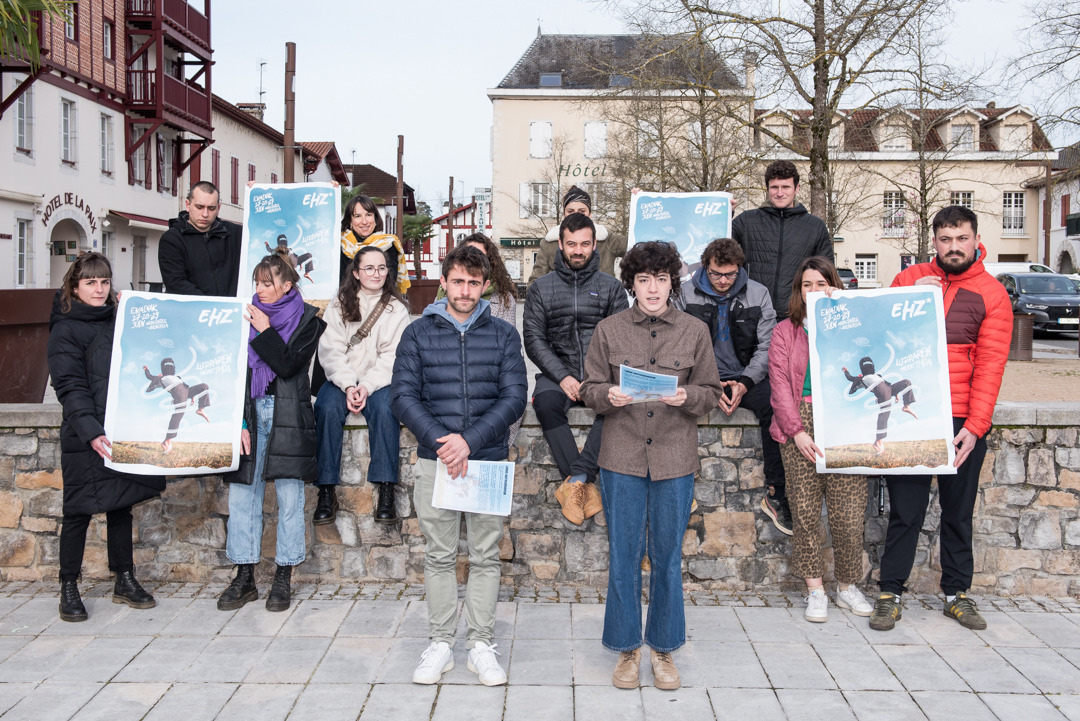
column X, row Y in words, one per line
column 571, row 496
column 626, row 670
column 665, row 675
column 593, row 504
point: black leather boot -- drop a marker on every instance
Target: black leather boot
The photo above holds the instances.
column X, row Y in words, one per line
column 280, row 595
column 127, row 590
column 327, row 507
column 241, row 590
column 385, row 511
column 71, row 605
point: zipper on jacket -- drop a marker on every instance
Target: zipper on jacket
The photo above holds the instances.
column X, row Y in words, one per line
column 464, row 384
column 577, row 333
column 779, row 256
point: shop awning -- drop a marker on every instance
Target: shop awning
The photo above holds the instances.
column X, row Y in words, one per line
column 142, row 221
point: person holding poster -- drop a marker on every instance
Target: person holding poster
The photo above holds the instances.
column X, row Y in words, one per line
column 609, row 246
column 779, row 235
column 200, row 254
column 978, row 326
column 793, row 428
column 459, row 383
column 648, row 457
column 362, row 225
column 364, row 324
column 79, row 356
column 278, row 439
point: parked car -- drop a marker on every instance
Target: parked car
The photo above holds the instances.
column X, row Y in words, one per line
column 1053, row 299
column 996, row 269
column 850, row 281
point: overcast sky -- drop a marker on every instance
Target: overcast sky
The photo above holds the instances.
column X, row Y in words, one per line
column 367, row 72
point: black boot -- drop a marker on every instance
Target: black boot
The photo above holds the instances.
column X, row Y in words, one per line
column 280, row 595
column 127, row 590
column 241, row 590
column 385, row 511
column 71, row 605
column 327, row 507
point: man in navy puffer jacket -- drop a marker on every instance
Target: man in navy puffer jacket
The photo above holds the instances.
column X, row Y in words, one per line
column 459, row 384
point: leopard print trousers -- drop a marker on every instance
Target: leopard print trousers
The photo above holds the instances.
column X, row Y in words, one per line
column 845, row 498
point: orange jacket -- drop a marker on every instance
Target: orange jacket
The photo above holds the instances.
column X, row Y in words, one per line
column 978, row 328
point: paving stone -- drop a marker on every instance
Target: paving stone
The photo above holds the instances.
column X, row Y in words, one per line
column 714, row 624
column 470, row 703
column 399, row 701
column 771, row 625
column 593, row 664
column 164, row 659
column 1053, row 630
column 148, row 622
column 254, row 620
column 415, row 622
column 31, row 618
column 587, row 621
column 745, row 703
column 793, row 665
column 101, row 659
column 11, row 644
column 330, row 702
column 920, row 669
column 402, row 658
column 952, row 705
column 856, row 667
column 12, row 693
column 841, row 627
column 729, row 665
column 7, row 605
column 541, row 662
column 192, row 701
column 684, row 703
column 539, row 703
column 904, row 634
column 102, row 611
column 353, row 661
column 813, row 705
column 316, row 618
column 373, row 618
column 38, row 659
column 542, row 621
column 54, row 701
column 937, row 629
column 1069, row 706
column 1045, row 668
column 1015, row 706
column 883, row 706
column 122, row 701
column 1003, row 630
column 288, row 660
column 199, row 618
column 262, row 702
column 608, row 702
column 226, row 659
column 985, row 670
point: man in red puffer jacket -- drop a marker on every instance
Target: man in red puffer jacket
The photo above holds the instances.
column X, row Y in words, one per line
column 978, row 326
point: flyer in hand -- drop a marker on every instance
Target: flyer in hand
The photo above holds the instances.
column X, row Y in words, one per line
column 487, row 487
column 644, row 386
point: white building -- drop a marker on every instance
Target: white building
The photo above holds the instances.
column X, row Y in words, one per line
column 1064, row 211
column 473, row 217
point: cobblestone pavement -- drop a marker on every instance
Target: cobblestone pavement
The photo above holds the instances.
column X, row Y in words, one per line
column 347, row 652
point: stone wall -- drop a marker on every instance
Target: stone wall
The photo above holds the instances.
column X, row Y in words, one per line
column 1027, row 531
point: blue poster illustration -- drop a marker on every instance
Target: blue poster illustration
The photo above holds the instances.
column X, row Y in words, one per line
column 177, row 384
column 688, row 220
column 880, row 381
column 303, row 217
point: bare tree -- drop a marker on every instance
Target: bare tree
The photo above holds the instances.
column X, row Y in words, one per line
column 1052, row 61
column 539, row 210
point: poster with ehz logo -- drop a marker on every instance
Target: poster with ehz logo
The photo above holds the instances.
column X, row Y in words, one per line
column 880, row 381
column 303, row 217
column 177, row 384
column 690, row 221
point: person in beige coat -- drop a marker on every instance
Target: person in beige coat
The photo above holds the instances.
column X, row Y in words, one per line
column 609, row 246
column 364, row 324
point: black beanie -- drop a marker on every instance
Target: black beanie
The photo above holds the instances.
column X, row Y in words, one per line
column 576, row 195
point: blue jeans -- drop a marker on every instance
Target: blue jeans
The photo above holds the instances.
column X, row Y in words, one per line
column 384, row 439
column 642, row 511
column 244, row 541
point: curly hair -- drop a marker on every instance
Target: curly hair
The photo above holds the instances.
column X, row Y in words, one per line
column 87, row 265
column 277, row 266
column 797, row 304
column 781, row 170
column 653, row 257
column 348, row 293
column 724, row 251
column 471, row 260
column 501, row 281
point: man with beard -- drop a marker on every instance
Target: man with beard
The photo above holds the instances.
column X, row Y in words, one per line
column 978, row 325
column 459, row 384
column 561, row 310
column 200, row 254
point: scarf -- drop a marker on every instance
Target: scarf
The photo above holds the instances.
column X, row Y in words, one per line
column 384, row 242
column 285, row 317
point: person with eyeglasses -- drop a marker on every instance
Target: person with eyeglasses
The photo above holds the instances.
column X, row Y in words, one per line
column 364, row 323
column 362, row 225
column 741, row 318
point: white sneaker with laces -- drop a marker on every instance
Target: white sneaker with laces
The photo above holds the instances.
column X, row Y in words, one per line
column 852, row 599
column 437, row 659
column 483, row 663
column 817, row 606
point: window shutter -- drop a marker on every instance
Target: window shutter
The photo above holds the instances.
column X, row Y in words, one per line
column 523, row 200
column 131, row 168
column 540, row 139
column 175, row 164
column 161, row 182
column 148, row 179
column 595, row 140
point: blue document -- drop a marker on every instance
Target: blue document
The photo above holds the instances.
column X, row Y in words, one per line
column 644, row 386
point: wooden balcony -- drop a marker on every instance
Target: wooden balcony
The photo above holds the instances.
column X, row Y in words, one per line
column 176, row 17
column 152, row 94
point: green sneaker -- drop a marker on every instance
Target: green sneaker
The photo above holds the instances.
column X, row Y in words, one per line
column 963, row 609
column 887, row 612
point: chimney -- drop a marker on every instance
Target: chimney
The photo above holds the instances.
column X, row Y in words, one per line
column 255, row 110
column 991, row 105
column 750, row 71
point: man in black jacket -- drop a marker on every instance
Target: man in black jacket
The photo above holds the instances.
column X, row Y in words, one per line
column 779, row 235
column 200, row 254
column 561, row 310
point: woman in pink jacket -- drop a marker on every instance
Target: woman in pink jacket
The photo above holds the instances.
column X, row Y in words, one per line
column 793, row 428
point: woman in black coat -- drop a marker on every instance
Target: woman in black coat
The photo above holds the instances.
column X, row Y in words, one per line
column 80, row 350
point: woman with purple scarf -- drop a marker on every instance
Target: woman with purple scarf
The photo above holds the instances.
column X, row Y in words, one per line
column 278, row 439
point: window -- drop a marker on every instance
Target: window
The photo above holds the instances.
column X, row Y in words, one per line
column 779, row 130
column 1012, row 215
column 251, row 172
column 106, row 243
column 550, row 80
column 963, row 137
column 273, row 177
column 108, row 33
column 648, row 139
column 215, row 168
column 895, row 137
column 619, row 81
column 892, row 225
column 71, row 21
column 106, row 132
column 234, row 178
column 1066, row 202
column 536, row 199
column 965, row 198
column 866, row 267
column 595, row 140
column 138, row 172
column 836, row 137
column 540, row 139
column 603, row 198
column 24, row 253
column 24, row 122
column 165, row 175
column 68, row 134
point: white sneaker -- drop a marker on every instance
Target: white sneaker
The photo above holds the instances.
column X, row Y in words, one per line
column 852, row 599
column 437, row 659
column 817, row 606
column 482, row 662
